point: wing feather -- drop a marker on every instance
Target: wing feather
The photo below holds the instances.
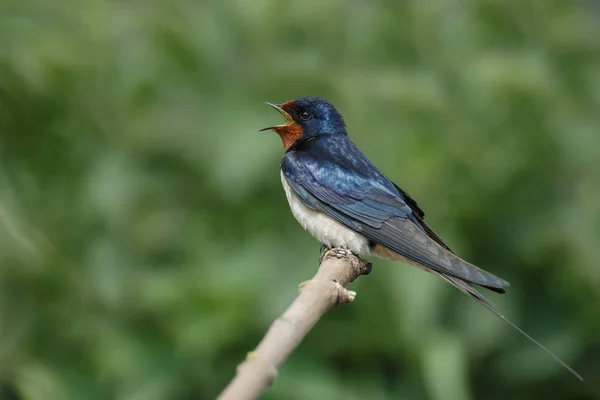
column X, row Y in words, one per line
column 373, row 205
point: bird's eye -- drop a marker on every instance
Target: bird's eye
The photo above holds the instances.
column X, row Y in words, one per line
column 305, row 115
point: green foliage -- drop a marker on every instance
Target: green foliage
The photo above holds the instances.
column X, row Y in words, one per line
column 146, row 244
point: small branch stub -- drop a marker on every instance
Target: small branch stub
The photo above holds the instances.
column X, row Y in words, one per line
column 324, row 291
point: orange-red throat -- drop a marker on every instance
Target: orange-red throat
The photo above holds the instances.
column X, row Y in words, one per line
column 290, row 130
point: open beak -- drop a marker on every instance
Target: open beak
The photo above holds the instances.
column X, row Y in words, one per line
column 288, row 118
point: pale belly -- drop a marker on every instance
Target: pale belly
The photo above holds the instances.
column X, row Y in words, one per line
column 324, row 228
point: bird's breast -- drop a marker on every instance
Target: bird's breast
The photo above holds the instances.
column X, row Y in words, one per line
column 324, row 228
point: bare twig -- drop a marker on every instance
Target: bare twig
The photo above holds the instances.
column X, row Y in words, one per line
column 317, row 296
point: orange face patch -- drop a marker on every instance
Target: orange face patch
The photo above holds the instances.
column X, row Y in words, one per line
column 289, row 133
column 288, row 104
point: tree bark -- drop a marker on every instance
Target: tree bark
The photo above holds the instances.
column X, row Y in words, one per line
column 324, row 291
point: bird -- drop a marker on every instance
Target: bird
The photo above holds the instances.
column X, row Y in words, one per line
column 345, row 202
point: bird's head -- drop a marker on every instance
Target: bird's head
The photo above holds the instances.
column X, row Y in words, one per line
column 305, row 118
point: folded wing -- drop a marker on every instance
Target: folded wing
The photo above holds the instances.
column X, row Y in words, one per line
column 374, row 206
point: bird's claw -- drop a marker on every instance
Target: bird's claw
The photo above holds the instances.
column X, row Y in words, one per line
column 337, row 252
column 324, row 250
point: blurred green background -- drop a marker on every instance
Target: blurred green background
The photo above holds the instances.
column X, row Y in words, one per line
column 146, row 244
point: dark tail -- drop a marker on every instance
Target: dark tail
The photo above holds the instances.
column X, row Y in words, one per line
column 470, row 290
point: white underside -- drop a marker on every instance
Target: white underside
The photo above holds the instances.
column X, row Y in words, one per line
column 324, row 228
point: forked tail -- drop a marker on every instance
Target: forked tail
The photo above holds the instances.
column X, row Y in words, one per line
column 470, row 290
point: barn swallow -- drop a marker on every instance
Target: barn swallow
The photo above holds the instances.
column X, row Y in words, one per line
column 344, row 201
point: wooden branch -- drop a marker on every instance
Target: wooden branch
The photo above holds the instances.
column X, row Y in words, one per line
column 323, row 292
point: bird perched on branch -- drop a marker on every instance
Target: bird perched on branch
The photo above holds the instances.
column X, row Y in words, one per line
column 345, row 202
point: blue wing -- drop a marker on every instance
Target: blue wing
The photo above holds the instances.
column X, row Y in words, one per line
column 329, row 174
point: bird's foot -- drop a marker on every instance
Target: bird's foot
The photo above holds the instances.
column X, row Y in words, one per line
column 337, row 252
column 322, row 253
